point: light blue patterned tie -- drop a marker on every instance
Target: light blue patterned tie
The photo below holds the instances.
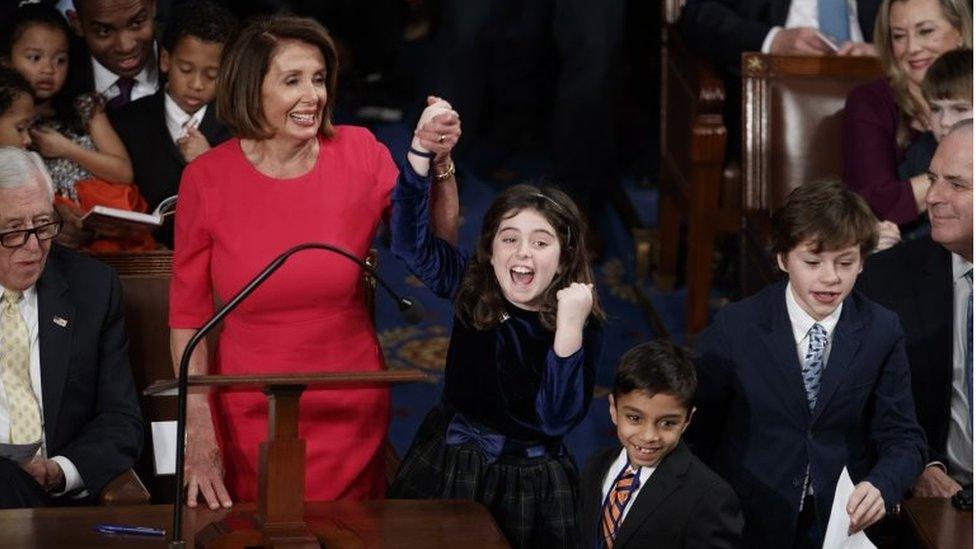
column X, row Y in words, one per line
column 832, row 20
column 813, row 363
column 969, row 348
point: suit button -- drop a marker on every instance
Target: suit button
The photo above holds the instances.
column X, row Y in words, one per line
column 809, row 435
column 797, row 482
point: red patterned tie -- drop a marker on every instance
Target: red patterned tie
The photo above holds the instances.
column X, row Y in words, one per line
column 617, row 499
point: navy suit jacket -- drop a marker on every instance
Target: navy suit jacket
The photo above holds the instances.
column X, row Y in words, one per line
column 914, row 279
column 723, row 29
column 684, row 504
column 754, row 428
column 91, row 412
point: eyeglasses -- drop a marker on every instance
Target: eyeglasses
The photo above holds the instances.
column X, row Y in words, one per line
column 16, row 239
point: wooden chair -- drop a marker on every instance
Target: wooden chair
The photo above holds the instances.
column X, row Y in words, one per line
column 145, row 278
column 791, row 132
column 693, row 147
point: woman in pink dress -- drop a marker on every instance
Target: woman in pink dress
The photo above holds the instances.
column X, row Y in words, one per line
column 288, row 177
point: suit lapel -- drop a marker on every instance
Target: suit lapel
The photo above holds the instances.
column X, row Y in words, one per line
column 592, row 508
column 777, row 335
column 843, row 346
column 54, row 309
column 660, row 485
column 159, row 100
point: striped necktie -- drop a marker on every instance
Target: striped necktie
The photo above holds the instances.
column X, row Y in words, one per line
column 613, row 510
column 22, row 406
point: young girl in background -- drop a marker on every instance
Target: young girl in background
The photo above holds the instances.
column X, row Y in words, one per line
column 73, row 134
column 520, row 368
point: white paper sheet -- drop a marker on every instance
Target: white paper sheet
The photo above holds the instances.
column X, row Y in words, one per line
column 19, row 453
column 840, row 521
column 164, row 447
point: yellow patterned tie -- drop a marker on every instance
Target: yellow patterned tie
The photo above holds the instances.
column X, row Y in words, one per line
column 25, row 414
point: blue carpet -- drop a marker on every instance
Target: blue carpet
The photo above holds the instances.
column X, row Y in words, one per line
column 424, row 346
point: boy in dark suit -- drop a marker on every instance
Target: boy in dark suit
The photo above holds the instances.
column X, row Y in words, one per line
column 653, row 492
column 806, row 378
column 165, row 131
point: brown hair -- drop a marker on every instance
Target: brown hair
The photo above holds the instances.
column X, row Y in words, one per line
column 958, row 13
column 950, row 76
column 657, row 367
column 245, row 63
column 834, row 216
column 480, row 302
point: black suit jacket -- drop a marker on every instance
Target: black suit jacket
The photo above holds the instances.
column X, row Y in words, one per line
column 156, row 161
column 91, row 412
column 914, row 279
column 683, row 504
column 723, row 29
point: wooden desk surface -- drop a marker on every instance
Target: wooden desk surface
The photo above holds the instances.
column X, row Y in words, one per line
column 938, row 524
column 384, row 523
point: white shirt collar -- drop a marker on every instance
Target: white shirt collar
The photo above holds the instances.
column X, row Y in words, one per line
column 147, row 78
column 960, row 266
column 177, row 119
column 802, row 322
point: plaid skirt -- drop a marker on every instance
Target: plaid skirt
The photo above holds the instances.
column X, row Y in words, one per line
column 533, row 499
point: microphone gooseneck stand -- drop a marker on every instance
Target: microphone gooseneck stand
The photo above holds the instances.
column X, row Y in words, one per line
column 407, row 307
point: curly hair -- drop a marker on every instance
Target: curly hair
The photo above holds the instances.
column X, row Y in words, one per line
column 204, row 20
column 480, row 302
column 958, row 13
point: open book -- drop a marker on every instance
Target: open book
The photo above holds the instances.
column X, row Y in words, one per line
column 122, row 223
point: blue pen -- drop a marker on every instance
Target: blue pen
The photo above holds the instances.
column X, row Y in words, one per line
column 130, row 530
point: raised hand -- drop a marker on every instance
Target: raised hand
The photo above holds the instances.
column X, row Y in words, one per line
column 573, row 306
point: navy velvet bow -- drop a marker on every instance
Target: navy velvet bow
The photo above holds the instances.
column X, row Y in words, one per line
column 461, row 430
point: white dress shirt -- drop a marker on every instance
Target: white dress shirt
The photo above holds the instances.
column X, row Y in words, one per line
column 801, row 322
column 959, row 444
column 147, row 81
column 608, row 481
column 28, row 311
column 177, row 120
column 803, row 13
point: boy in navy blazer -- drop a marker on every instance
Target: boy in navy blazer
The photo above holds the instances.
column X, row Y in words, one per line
column 167, row 130
column 653, row 492
column 806, row 378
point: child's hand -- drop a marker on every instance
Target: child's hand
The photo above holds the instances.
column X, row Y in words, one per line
column 573, row 304
column 193, row 144
column 49, row 142
column 73, row 234
column 865, row 507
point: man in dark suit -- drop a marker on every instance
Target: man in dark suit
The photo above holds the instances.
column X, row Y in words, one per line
column 65, row 379
column 723, row 30
column 806, row 378
column 925, row 282
column 653, row 492
column 115, row 55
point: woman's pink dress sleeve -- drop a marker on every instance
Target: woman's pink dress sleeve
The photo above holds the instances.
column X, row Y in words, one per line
column 871, row 153
column 191, row 289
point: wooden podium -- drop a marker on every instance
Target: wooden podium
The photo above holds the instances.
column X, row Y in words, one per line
column 279, row 520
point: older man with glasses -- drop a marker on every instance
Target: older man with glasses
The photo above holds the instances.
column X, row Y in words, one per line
column 69, row 416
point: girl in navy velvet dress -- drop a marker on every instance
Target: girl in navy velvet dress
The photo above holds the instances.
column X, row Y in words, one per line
column 520, row 368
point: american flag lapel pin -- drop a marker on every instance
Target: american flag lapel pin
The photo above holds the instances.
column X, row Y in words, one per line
column 63, row 322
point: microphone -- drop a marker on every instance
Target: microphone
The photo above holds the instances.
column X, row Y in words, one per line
column 410, row 310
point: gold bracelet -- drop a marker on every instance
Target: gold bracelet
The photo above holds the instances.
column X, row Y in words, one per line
column 448, row 173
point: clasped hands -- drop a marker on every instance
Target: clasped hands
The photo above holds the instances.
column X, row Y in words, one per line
column 809, row 41
column 47, row 473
